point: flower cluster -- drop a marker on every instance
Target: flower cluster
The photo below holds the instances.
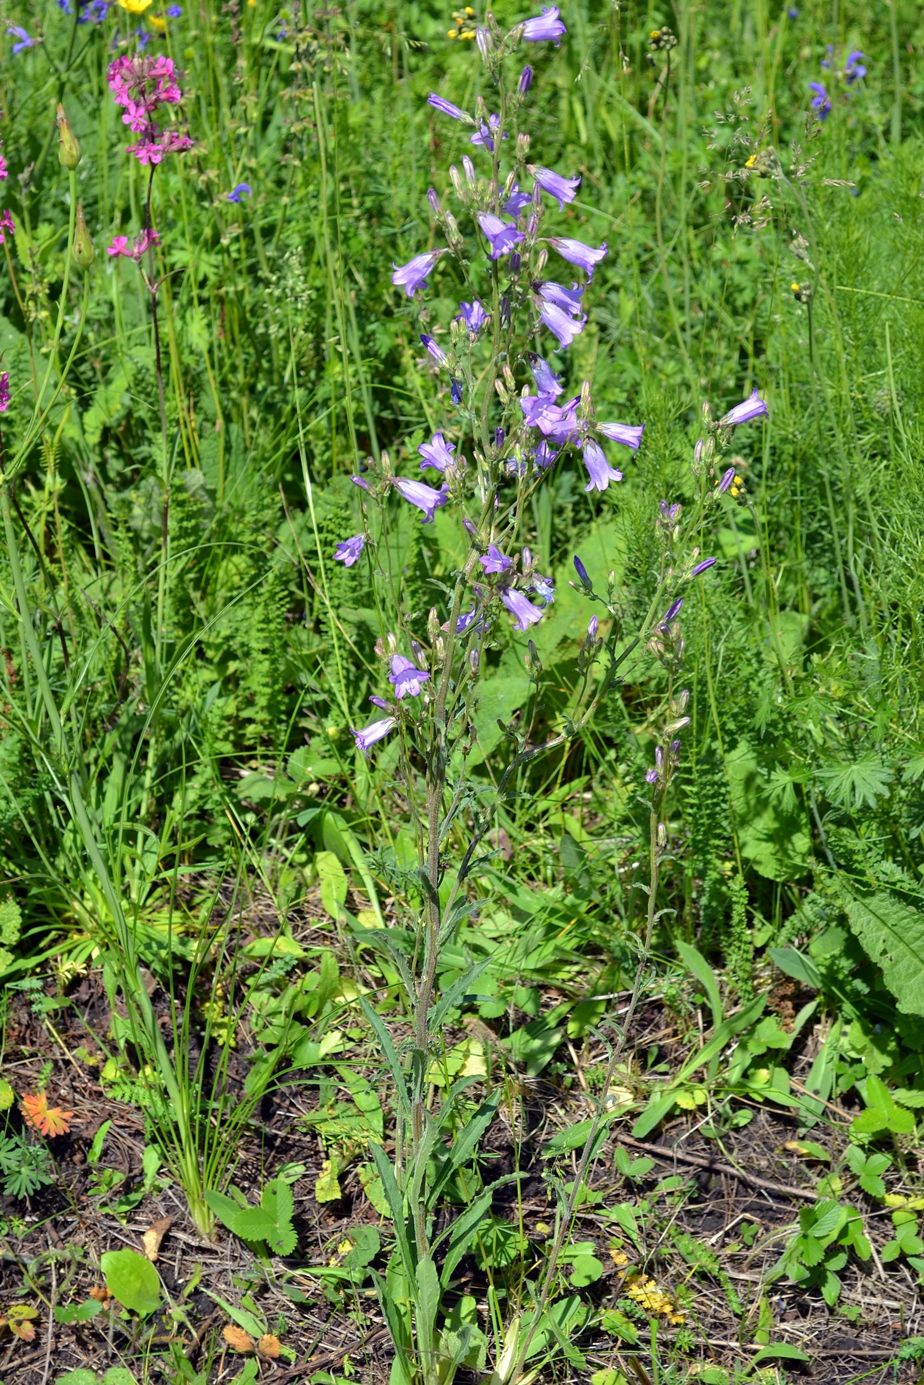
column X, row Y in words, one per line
column 87, row 11
column 505, row 215
column 141, row 85
column 852, row 71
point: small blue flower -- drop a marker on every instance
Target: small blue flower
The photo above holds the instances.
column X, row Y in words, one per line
column 238, row 191
column 821, row 101
column 17, row 32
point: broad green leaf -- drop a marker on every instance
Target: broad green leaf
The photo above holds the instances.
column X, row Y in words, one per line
column 780, row 1351
column 891, row 934
column 428, row 1302
column 698, row 967
column 332, row 882
column 132, row 1280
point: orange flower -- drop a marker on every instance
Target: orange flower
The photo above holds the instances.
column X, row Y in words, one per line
column 47, row 1120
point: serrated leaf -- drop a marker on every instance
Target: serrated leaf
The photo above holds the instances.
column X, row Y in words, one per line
column 891, row 934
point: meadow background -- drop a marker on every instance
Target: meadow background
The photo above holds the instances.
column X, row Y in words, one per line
column 196, row 858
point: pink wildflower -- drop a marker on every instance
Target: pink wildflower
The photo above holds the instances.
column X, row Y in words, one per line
column 133, row 250
column 7, row 224
column 4, row 171
column 4, row 391
column 140, row 85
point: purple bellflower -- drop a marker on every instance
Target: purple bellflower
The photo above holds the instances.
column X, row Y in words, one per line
column 524, row 612
column 503, row 235
column 526, row 80
column 434, row 348
column 558, row 320
column 517, row 202
column 437, row 453
column 545, row 27
column 544, row 588
column 581, row 571
column 405, row 677
column 599, row 469
column 367, row 737
column 486, row 133
column 628, row 434
column 494, row 560
column 547, row 382
column 562, row 189
column 439, row 103
column 410, row 276
column 348, row 552
column 473, row 315
column 727, row 477
column 555, row 421
column 702, row 567
column 577, row 253
column 748, row 409
column 423, row 496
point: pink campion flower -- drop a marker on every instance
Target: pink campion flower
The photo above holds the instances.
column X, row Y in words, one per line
column 7, row 225
column 4, row 391
column 133, row 250
column 4, row 171
column 140, row 85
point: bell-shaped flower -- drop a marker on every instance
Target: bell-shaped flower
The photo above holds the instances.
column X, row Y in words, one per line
column 547, row 382
column 545, row 27
column 748, row 409
column 437, row 453
column 406, row 679
column 423, row 496
column 367, row 737
column 410, row 276
column 599, row 469
column 494, row 560
column 586, row 257
column 564, row 327
column 348, row 552
column 561, row 188
column 502, row 235
column 473, row 315
column 439, row 103
column 524, row 613
column 630, row 435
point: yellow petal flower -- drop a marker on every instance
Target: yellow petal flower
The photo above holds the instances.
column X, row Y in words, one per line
column 135, row 6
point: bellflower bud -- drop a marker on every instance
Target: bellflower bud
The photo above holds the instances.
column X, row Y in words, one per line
column 526, row 80
column 82, row 249
column 68, row 144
